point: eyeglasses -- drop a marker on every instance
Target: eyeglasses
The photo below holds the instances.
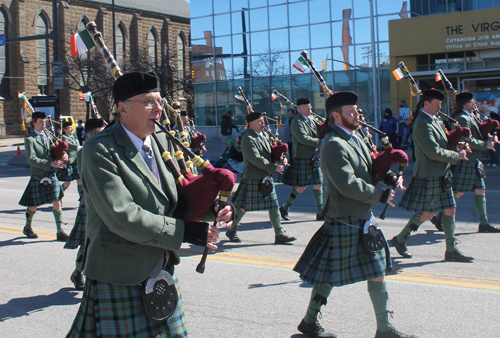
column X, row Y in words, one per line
column 149, row 104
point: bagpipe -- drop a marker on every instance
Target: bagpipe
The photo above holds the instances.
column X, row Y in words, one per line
column 198, row 193
column 320, row 121
column 58, row 147
column 279, row 149
column 488, row 127
column 401, row 72
column 458, row 132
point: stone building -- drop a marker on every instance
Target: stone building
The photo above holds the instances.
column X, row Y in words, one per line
column 156, row 29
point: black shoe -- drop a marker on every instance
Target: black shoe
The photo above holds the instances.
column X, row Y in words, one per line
column 283, row 239
column 314, row 330
column 457, row 256
column 400, row 247
column 233, row 236
column 392, row 333
column 284, row 214
column 488, row 228
column 28, row 232
column 77, row 279
column 62, row 236
column 437, row 223
column 320, row 217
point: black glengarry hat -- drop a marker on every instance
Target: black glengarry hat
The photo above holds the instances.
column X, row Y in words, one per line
column 38, row 115
column 340, row 99
column 432, row 94
column 254, row 116
column 303, row 100
column 134, row 83
column 66, row 124
column 464, row 97
column 92, row 124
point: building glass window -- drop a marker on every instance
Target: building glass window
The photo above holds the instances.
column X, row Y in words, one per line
column 222, row 25
column 394, row 6
column 120, row 43
column 342, row 11
column 200, row 26
column 279, row 40
column 3, row 49
column 258, row 19
column 42, row 55
column 319, row 11
column 200, row 8
column 298, row 14
column 279, row 17
column 320, row 36
column 220, row 6
column 152, row 41
column 180, row 63
column 299, row 38
column 361, row 8
column 259, row 43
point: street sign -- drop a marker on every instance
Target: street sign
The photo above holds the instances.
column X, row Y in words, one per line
column 58, row 74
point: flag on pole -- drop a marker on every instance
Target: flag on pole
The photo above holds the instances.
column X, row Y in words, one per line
column 398, row 73
column 274, row 96
column 239, row 97
column 300, row 64
column 438, row 77
column 86, row 96
column 21, row 95
column 81, row 43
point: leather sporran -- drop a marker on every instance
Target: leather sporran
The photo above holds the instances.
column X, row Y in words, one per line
column 46, row 186
column 315, row 162
column 159, row 297
column 480, row 172
column 372, row 237
column 62, row 173
column 447, row 181
column 266, row 186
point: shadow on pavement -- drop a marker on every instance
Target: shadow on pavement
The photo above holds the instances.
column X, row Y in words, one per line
column 18, row 307
column 17, row 241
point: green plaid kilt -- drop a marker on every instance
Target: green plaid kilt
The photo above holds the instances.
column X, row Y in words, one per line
column 33, row 197
column 335, row 255
column 426, row 194
column 76, row 237
column 301, row 174
column 110, row 310
column 465, row 177
column 249, row 197
column 73, row 173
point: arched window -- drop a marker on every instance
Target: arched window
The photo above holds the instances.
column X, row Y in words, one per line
column 120, row 43
column 152, row 48
column 42, row 55
column 180, row 64
column 3, row 49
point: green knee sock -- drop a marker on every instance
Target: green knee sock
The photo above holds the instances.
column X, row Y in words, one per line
column 480, row 203
column 439, row 215
column 318, row 198
column 79, row 187
column 274, row 217
column 58, row 218
column 29, row 218
column 448, row 223
column 379, row 297
column 237, row 219
column 319, row 295
column 293, row 195
column 412, row 225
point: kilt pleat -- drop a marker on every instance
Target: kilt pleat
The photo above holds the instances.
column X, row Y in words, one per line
column 335, row 256
column 73, row 173
column 110, row 310
column 249, row 197
column 300, row 173
column 465, row 177
column 33, row 197
column 426, row 194
column 76, row 237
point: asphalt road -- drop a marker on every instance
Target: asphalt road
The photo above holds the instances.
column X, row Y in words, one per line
column 249, row 288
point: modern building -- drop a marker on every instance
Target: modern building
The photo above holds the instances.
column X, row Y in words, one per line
column 155, row 33
column 253, row 44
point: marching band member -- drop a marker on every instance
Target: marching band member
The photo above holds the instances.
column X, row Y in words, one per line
column 304, row 167
column 257, row 160
column 431, row 188
column 71, row 164
column 132, row 239
column 43, row 187
column 468, row 175
column 335, row 255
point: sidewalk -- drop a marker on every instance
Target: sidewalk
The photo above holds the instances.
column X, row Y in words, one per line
column 12, row 141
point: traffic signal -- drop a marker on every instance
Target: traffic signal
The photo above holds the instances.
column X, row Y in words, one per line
column 323, row 62
column 192, row 74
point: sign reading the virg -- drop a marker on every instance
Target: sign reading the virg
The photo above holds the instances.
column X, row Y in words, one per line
column 455, row 32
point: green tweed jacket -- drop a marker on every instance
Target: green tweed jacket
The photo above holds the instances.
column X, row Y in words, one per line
column 37, row 153
column 347, row 171
column 431, row 148
column 256, row 156
column 129, row 215
column 73, row 145
column 476, row 142
column 305, row 138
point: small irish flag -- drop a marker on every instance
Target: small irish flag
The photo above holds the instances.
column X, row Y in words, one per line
column 398, row 73
column 21, row 95
column 86, row 96
column 274, row 96
column 438, row 77
column 300, row 64
column 239, row 97
column 81, row 43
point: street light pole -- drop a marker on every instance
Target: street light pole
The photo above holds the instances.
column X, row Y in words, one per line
column 114, row 27
column 374, row 68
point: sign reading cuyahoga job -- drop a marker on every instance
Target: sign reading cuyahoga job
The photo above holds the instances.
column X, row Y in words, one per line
column 454, row 32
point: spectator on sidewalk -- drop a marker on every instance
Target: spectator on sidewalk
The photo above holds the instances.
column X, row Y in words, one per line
column 226, row 128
